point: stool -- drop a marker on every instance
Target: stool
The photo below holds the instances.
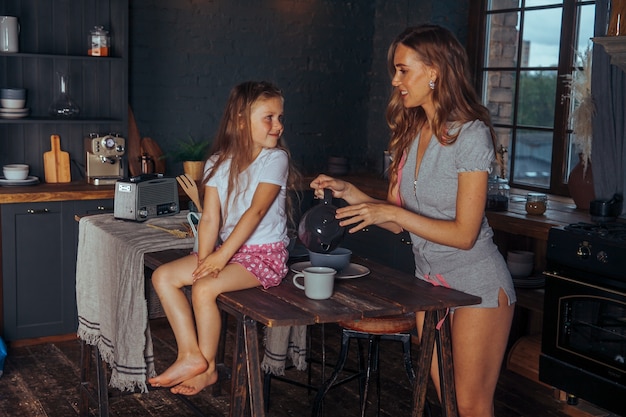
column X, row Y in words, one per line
column 373, row 330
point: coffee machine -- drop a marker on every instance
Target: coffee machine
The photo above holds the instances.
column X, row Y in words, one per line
column 104, row 163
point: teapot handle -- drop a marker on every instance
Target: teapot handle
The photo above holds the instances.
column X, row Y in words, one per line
column 328, row 196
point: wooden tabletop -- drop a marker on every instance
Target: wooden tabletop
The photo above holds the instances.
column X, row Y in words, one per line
column 384, row 291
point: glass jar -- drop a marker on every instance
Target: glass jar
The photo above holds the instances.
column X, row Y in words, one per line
column 497, row 194
column 536, row 203
column 63, row 105
column 98, row 42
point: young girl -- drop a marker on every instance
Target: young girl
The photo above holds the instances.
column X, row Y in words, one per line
column 242, row 235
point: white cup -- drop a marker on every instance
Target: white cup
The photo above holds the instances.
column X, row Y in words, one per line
column 318, row 282
column 9, row 30
column 194, row 218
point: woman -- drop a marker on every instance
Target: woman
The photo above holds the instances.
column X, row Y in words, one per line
column 443, row 147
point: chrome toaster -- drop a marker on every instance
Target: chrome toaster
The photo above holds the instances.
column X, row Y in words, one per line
column 146, row 196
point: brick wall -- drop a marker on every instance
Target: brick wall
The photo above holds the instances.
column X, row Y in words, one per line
column 327, row 55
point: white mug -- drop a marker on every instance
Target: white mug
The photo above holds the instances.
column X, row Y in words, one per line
column 194, row 218
column 318, row 282
column 9, row 30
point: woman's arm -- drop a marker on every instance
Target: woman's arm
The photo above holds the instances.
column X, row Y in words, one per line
column 460, row 232
column 353, row 195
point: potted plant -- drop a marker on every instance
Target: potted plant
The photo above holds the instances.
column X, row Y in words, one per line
column 191, row 153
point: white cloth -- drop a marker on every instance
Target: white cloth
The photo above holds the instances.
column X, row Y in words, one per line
column 272, row 167
column 110, row 292
column 284, row 342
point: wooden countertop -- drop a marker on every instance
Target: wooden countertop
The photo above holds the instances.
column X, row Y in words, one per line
column 44, row 192
column 561, row 211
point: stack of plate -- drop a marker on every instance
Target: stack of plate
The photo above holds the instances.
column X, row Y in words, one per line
column 13, row 113
column 12, row 101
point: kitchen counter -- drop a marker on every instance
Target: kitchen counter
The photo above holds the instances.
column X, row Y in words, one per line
column 44, row 192
column 561, row 211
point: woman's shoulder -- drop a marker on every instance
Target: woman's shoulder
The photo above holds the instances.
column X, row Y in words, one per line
column 472, row 127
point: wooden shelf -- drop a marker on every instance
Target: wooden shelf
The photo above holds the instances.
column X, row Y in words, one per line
column 615, row 46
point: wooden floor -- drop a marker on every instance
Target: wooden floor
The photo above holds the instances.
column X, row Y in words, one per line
column 42, row 380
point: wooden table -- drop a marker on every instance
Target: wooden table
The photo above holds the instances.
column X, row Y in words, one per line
column 383, row 292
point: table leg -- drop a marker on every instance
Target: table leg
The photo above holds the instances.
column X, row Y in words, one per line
column 446, row 366
column 424, row 360
column 247, row 384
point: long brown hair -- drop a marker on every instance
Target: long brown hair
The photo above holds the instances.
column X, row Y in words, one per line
column 454, row 98
column 233, row 140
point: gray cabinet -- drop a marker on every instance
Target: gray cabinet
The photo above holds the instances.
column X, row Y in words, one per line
column 39, row 243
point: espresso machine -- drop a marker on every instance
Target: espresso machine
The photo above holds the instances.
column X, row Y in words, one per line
column 104, row 163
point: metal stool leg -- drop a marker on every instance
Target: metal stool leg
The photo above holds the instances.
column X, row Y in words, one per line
column 343, row 354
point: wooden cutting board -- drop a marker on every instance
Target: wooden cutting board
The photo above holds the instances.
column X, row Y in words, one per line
column 150, row 147
column 56, row 162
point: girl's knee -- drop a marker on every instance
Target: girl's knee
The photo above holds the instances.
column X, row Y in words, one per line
column 204, row 289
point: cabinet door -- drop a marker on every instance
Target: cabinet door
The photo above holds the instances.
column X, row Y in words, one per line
column 382, row 246
column 38, row 287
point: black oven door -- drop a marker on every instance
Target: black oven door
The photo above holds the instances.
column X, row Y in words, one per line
column 584, row 340
column 585, row 325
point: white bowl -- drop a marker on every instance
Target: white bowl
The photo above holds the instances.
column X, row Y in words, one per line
column 520, row 256
column 15, row 171
column 520, row 269
column 337, row 259
column 15, row 93
column 12, row 103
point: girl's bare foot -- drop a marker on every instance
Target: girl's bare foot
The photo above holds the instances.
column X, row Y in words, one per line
column 196, row 384
column 181, row 370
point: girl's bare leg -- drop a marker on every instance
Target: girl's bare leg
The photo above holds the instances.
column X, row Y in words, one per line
column 168, row 281
column 208, row 320
column 479, row 339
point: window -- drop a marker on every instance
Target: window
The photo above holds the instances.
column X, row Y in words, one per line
column 524, row 50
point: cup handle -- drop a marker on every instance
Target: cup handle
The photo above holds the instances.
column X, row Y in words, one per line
column 296, row 283
column 190, row 215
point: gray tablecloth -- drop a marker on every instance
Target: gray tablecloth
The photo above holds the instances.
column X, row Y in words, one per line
column 110, row 292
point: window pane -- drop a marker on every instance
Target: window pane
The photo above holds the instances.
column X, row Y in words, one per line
column 585, row 30
column 533, row 154
column 503, row 4
column 533, row 3
column 503, row 33
column 542, row 34
column 499, row 93
column 536, row 98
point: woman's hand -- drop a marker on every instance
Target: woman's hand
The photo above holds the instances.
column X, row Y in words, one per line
column 338, row 187
column 362, row 215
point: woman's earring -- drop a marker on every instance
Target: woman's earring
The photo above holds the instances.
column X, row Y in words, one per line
column 431, row 84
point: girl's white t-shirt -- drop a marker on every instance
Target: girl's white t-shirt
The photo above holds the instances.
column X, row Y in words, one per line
column 271, row 166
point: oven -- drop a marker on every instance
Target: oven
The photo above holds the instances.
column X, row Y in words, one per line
column 583, row 350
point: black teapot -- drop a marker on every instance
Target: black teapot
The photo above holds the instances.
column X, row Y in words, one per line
column 319, row 230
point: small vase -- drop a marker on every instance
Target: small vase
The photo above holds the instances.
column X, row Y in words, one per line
column 580, row 185
column 63, row 105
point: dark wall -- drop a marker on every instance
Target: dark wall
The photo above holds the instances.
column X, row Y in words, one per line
column 327, row 55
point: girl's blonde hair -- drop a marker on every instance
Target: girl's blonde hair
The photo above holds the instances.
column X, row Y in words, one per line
column 454, row 97
column 234, row 137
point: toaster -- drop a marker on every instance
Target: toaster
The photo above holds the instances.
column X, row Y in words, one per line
column 145, row 196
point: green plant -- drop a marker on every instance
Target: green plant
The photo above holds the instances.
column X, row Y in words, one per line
column 190, row 150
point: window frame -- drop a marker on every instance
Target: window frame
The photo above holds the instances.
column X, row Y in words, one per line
column 561, row 132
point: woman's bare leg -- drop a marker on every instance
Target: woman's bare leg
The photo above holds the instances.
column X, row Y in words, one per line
column 208, row 320
column 168, row 281
column 479, row 339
